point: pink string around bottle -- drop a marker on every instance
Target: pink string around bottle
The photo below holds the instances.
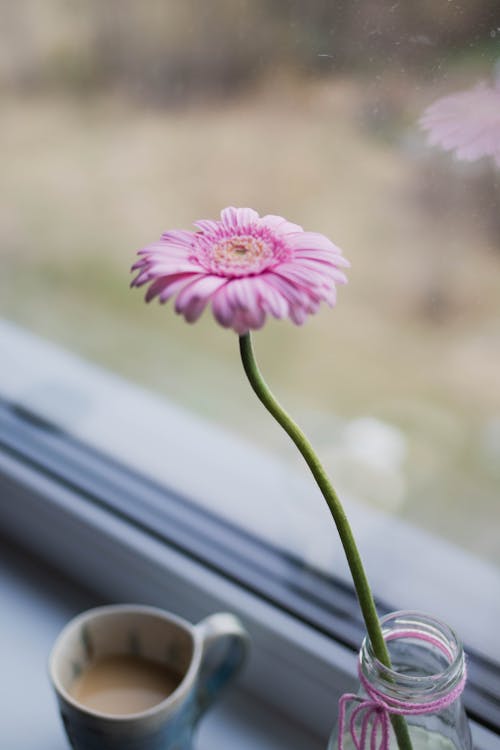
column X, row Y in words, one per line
column 373, row 713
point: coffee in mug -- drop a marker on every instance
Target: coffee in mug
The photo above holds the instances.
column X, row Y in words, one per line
column 124, row 684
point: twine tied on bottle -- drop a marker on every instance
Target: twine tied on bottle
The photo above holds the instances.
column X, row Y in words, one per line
column 373, row 713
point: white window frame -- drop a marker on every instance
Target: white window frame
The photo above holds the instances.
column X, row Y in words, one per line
column 294, row 667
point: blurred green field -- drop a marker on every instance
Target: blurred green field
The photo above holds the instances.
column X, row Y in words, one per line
column 415, row 338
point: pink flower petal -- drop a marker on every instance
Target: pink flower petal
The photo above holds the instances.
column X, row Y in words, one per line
column 164, row 267
column 310, row 241
column 467, row 122
column 141, row 279
column 237, row 305
column 239, row 323
column 323, row 255
column 167, row 286
column 271, row 300
column 324, row 270
column 239, row 218
column 179, row 238
column 304, row 277
column 293, row 294
column 298, row 315
column 243, row 295
column 207, row 225
column 279, row 225
column 193, row 298
column 222, row 307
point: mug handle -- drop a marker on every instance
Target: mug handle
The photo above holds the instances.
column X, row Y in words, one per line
column 224, row 629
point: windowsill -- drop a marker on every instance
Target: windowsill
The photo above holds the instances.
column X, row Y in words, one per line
column 36, row 604
column 294, row 668
column 147, row 432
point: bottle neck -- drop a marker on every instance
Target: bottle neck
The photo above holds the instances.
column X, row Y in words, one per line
column 426, row 656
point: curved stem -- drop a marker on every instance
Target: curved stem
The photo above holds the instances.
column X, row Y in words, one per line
column 359, row 578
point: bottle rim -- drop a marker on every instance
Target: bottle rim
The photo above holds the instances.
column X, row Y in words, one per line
column 427, row 633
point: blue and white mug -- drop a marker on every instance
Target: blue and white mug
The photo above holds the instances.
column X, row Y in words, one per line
column 158, row 636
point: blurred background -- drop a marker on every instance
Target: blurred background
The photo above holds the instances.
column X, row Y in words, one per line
column 120, row 120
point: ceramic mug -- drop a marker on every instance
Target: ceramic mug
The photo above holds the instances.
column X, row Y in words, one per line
column 158, row 636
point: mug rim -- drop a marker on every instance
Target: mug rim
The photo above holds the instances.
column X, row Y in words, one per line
column 168, row 704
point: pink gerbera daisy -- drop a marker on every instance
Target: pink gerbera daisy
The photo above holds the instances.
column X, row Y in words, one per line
column 467, row 122
column 246, row 266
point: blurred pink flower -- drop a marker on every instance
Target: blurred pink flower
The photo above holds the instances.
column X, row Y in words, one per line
column 467, row 122
column 246, row 266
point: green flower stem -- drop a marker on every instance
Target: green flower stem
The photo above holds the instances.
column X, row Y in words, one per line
column 360, row 580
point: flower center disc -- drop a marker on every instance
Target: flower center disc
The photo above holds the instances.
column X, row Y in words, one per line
column 240, row 256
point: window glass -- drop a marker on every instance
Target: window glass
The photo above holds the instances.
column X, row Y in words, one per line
column 122, row 120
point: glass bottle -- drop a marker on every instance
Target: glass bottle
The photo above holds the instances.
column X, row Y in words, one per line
column 428, row 671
